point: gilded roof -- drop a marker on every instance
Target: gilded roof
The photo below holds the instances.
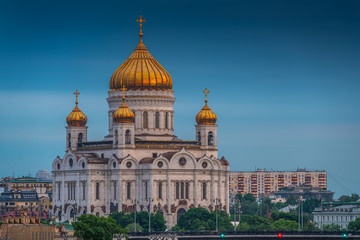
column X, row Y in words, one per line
column 141, row 72
column 76, row 118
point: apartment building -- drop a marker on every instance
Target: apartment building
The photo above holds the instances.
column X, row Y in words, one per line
column 262, row 182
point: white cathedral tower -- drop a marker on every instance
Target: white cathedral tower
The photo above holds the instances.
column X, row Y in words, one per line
column 140, row 160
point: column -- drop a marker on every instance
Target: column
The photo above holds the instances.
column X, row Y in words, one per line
column 195, row 189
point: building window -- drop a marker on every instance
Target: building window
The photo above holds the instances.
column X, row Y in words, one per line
column 59, row 191
column 127, row 137
column 187, row 190
column 116, row 137
column 97, row 197
column 199, row 136
column 204, row 190
column 210, row 139
column 145, row 120
column 128, row 190
column 157, row 120
column 80, row 137
column 146, row 190
column 68, row 187
column 182, row 190
column 114, row 190
column 166, row 120
column 177, row 190
column 69, row 140
column 83, row 190
column 160, row 190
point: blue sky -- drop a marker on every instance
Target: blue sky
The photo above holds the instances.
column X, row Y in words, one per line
column 283, row 77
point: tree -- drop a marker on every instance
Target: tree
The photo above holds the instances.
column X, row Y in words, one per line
column 122, row 219
column 284, row 225
column 131, row 228
column 332, row 227
column 310, row 226
column 254, row 223
column 91, row 227
column 249, row 205
column 198, row 219
column 0, row 223
column 310, row 204
column 142, row 218
column 291, row 200
column 195, row 219
column 354, row 225
column 353, row 198
column 265, row 207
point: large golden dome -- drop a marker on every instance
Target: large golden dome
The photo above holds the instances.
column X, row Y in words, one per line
column 76, row 118
column 206, row 116
column 141, row 71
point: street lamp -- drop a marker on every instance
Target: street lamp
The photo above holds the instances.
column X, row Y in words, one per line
column 134, row 202
column 150, row 200
column 216, row 210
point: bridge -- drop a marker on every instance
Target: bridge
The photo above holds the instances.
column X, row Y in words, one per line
column 246, row 235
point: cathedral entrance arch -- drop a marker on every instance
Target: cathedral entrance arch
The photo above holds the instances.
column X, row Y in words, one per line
column 180, row 212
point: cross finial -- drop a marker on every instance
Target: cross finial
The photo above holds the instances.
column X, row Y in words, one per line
column 206, row 93
column 76, row 93
column 123, row 89
column 140, row 21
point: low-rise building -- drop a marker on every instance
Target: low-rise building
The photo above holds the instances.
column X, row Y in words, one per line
column 336, row 213
column 305, row 192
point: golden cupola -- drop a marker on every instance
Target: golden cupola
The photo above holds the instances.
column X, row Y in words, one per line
column 76, row 118
column 123, row 114
column 206, row 116
column 141, row 71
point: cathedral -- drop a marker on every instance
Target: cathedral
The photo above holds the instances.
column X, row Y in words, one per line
column 140, row 165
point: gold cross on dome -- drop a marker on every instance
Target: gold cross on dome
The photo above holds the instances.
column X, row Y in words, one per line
column 123, row 89
column 140, row 21
column 206, row 93
column 76, row 93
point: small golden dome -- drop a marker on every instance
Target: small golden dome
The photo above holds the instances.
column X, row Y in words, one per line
column 123, row 114
column 141, row 71
column 76, row 118
column 206, row 116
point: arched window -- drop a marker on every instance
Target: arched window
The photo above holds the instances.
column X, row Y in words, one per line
column 145, row 120
column 187, row 190
column 116, row 137
column 166, row 120
column 160, row 190
column 157, row 120
column 204, row 190
column 127, row 137
column 128, row 190
column 210, row 139
column 80, row 137
column 69, row 140
column 97, row 190
column 177, row 191
column 199, row 136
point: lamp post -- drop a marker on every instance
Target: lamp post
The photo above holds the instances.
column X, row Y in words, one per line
column 134, row 202
column 216, row 211
column 234, row 203
column 150, row 200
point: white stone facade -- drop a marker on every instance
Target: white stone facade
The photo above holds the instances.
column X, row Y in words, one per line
column 138, row 163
